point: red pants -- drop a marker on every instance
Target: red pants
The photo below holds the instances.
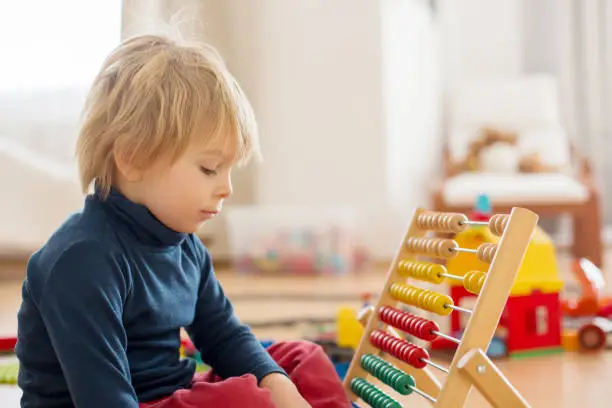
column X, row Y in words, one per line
column 307, row 365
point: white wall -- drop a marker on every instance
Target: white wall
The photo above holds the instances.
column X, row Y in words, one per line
column 482, row 38
column 346, row 97
column 412, row 86
column 347, row 94
column 320, row 103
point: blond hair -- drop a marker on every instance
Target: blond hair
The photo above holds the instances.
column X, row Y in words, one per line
column 152, row 97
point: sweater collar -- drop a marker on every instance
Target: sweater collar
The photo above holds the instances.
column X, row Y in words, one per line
column 139, row 220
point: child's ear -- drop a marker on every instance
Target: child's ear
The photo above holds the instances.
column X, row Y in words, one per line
column 125, row 166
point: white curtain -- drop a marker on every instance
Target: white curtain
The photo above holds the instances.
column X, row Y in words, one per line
column 591, row 86
column 573, row 38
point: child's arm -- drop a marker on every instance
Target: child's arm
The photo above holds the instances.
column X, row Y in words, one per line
column 226, row 344
column 81, row 304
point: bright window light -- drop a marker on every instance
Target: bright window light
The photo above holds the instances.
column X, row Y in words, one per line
column 46, row 45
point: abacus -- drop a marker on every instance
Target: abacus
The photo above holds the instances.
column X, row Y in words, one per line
column 403, row 366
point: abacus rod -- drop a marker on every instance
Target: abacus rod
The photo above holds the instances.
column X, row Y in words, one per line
column 448, row 275
column 431, row 363
column 470, row 222
column 446, row 336
column 470, row 250
column 422, row 394
column 459, row 309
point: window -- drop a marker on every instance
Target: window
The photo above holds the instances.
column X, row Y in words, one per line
column 48, row 45
column 51, row 52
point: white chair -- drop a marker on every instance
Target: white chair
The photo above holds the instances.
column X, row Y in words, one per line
column 528, row 106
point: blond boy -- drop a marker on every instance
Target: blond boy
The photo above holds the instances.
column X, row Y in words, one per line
column 105, row 298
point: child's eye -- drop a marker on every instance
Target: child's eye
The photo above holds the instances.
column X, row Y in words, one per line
column 206, row 171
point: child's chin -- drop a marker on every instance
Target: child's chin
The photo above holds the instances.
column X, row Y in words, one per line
column 198, row 227
column 189, row 229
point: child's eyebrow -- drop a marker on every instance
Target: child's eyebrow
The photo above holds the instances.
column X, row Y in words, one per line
column 213, row 152
column 216, row 153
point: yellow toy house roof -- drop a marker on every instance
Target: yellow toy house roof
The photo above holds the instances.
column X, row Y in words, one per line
column 538, row 271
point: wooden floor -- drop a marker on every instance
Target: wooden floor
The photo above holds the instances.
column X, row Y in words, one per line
column 564, row 380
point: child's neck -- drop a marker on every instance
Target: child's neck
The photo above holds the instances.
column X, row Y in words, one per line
column 132, row 191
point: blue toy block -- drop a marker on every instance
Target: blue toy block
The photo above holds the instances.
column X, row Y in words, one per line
column 341, row 369
column 266, row 343
column 483, row 204
column 497, row 348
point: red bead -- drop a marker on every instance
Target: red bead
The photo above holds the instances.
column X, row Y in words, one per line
column 417, row 357
column 399, row 348
column 409, row 323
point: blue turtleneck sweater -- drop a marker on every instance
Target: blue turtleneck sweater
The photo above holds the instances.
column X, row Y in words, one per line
column 103, row 304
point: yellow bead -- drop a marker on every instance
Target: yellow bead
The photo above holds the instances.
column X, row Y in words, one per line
column 421, row 298
column 441, row 306
column 473, row 281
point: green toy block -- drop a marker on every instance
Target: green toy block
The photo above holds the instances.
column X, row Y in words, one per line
column 8, row 373
column 537, row 353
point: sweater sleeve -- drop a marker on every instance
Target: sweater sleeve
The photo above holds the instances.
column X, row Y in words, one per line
column 81, row 304
column 227, row 345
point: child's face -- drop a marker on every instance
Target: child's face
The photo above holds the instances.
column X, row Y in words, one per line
column 191, row 191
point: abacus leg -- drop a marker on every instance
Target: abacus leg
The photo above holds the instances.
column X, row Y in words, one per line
column 491, row 383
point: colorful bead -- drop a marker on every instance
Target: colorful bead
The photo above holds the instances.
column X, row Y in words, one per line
column 409, row 323
column 442, row 222
column 424, row 271
column 399, row 348
column 372, row 394
column 422, row 298
column 473, row 281
column 388, row 374
column 434, row 247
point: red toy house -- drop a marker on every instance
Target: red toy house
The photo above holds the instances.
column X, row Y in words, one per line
column 529, row 324
column 532, row 322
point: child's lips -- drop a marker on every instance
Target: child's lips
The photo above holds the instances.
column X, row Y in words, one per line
column 209, row 213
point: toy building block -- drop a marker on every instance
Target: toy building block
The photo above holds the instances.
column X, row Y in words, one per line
column 9, row 372
column 533, row 323
column 539, row 271
column 570, row 340
column 7, row 344
column 482, row 209
column 348, row 330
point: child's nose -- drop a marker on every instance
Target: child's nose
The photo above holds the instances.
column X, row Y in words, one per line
column 226, row 190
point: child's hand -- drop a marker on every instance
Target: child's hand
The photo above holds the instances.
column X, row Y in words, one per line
column 283, row 392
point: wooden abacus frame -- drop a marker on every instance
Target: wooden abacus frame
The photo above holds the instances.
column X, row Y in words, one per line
column 470, row 365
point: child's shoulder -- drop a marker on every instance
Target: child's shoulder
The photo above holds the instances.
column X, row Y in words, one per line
column 88, row 228
column 84, row 239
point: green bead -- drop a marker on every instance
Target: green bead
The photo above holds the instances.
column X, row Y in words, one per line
column 372, row 394
column 388, row 374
